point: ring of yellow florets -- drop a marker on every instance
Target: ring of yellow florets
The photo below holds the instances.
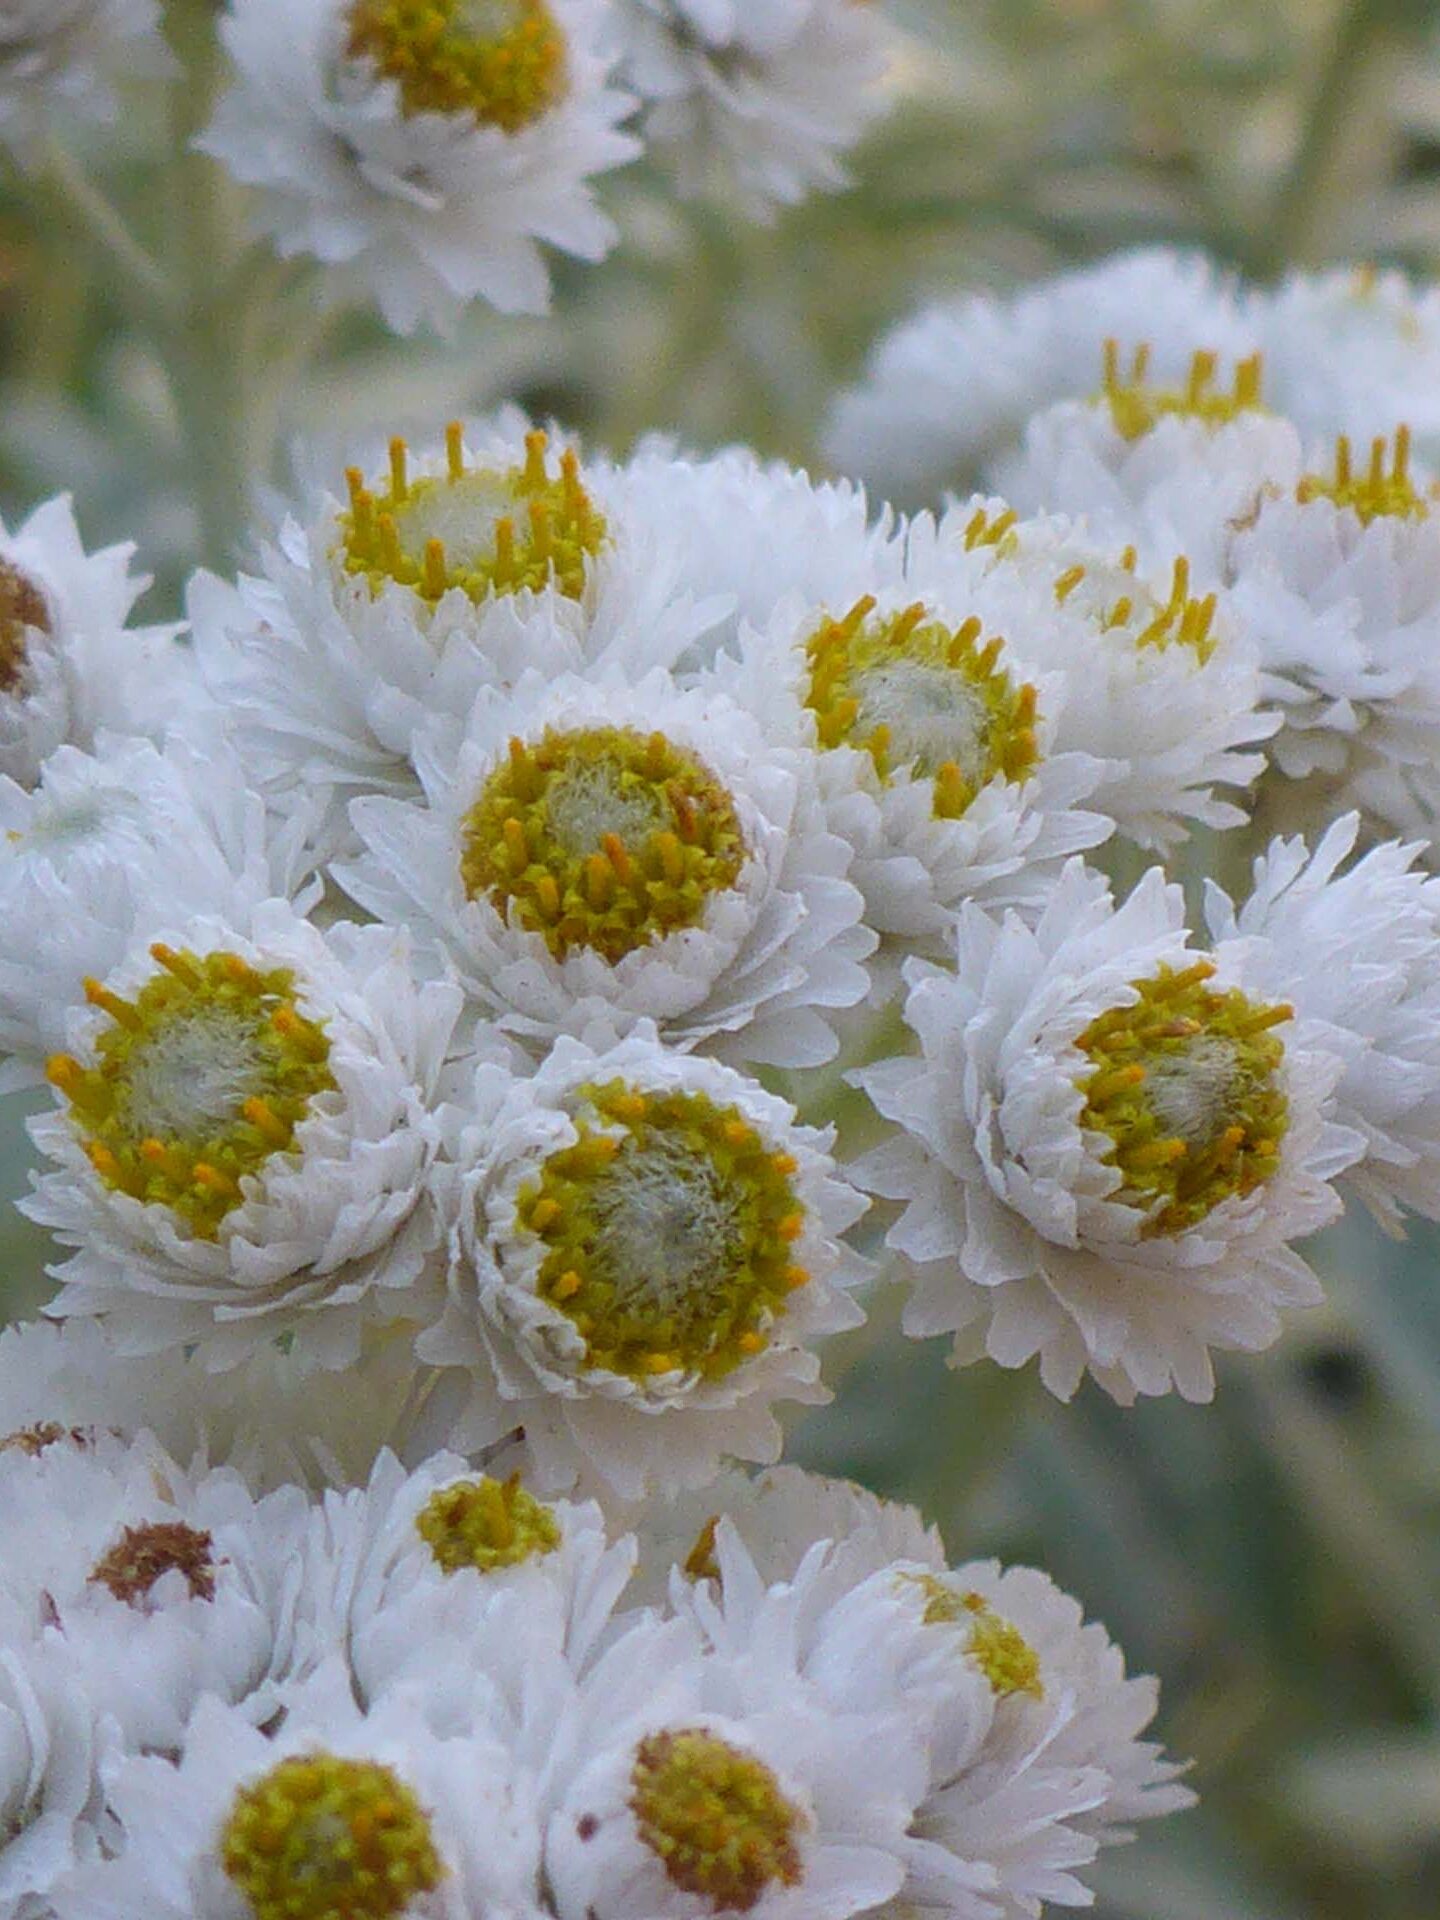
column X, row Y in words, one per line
column 715, row 1817
column 1184, row 1084
column 1380, row 489
column 1184, row 620
column 486, row 1524
column 501, row 61
column 23, row 611
column 481, row 530
column 198, row 1081
column 325, row 1838
column 918, row 695
column 602, row 838
column 143, row 1555
column 1136, row 407
column 995, row 1644
column 667, row 1230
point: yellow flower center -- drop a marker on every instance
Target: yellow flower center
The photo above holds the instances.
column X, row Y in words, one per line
column 143, row 1554
column 715, row 1817
column 1383, row 488
column 667, row 1230
column 1184, row 1085
column 198, row 1080
column 325, row 1838
column 995, row 1644
column 501, row 61
column 23, row 611
column 481, row 530
column 920, row 696
column 1116, row 602
column 1137, row 407
column 486, row 1524
column 601, row 838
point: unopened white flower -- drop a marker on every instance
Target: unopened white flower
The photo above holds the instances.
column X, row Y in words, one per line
column 424, row 148
column 949, row 390
column 52, row 1806
column 69, row 665
column 107, row 844
column 645, row 1248
column 1106, row 1145
column 1358, row 953
column 60, row 60
column 758, row 99
column 596, row 849
column 141, row 1586
column 436, row 1828
column 242, row 1135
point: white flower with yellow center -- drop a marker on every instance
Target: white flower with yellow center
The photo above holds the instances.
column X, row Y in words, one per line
column 1106, row 1144
column 69, row 665
column 754, row 99
column 1156, row 679
column 140, row 1585
column 60, row 60
column 52, row 1805
column 594, row 849
column 336, row 1816
column 243, row 1130
column 948, row 391
column 645, row 1248
column 422, row 149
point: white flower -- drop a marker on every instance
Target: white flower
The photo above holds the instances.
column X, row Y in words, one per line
column 645, row 1247
column 1358, row 953
column 1106, row 1145
column 949, row 390
column 59, row 59
column 424, row 167
column 107, row 844
column 51, row 1803
column 595, row 849
column 141, row 1587
column 453, row 1832
column 69, row 666
column 755, row 98
column 244, row 1127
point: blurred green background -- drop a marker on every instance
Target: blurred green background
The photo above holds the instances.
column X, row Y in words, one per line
column 1275, row 1558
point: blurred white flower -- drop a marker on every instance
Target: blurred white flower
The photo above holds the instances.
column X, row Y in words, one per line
column 60, row 60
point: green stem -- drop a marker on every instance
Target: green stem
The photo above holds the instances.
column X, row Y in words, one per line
column 146, row 281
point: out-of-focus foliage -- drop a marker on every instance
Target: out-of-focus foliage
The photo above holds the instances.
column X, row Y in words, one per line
column 1275, row 1558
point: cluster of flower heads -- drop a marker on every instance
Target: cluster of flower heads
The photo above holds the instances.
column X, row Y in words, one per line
column 425, row 150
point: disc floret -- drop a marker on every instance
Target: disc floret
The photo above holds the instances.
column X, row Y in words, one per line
column 603, row 838
column 197, row 1082
column 486, row 1524
column 1383, row 488
column 476, row 529
column 500, row 61
column 142, row 1555
column 320, row 1837
column 995, row 1644
column 1137, row 407
column 1184, row 620
column 920, row 696
column 1185, row 1085
column 716, row 1818
column 23, row 611
column 667, row 1232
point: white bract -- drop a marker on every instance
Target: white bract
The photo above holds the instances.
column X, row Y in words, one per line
column 60, row 61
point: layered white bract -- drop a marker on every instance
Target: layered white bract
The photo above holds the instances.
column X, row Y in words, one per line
column 52, row 1746
column 1014, row 1240
column 60, row 60
column 332, row 1232
column 81, row 670
column 949, row 390
column 424, row 211
column 1358, row 954
column 527, row 1360
column 753, row 981
column 104, row 847
column 755, row 99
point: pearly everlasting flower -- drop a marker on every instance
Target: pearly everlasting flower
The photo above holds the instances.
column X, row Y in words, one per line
column 1357, row 954
column 644, row 1248
column 948, row 392
column 758, row 100
column 243, row 1129
column 60, row 60
column 103, row 846
column 594, row 849
column 424, row 151
column 1106, row 1145
column 69, row 665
